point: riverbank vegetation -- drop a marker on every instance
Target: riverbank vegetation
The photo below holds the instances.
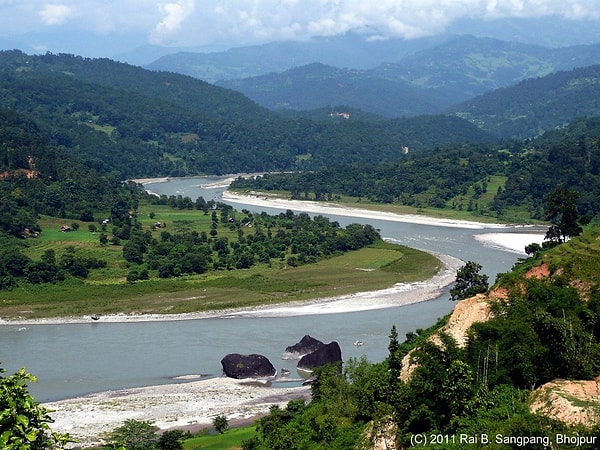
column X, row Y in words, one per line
column 507, row 181
column 176, row 260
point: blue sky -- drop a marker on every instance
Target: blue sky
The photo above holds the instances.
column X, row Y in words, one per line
column 243, row 22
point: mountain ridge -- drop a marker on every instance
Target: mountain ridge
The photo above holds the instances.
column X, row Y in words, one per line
column 430, row 80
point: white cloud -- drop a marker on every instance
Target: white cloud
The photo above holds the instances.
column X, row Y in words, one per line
column 173, row 16
column 276, row 19
column 52, row 14
column 191, row 22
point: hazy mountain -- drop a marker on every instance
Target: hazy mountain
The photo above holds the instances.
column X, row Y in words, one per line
column 316, row 85
column 549, row 31
column 425, row 82
column 342, row 51
column 538, row 104
column 364, row 51
column 467, row 66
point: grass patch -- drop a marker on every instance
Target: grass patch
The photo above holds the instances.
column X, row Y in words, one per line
column 231, row 439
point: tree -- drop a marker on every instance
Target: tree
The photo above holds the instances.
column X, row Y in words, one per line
column 561, row 210
column 171, row 440
column 533, row 248
column 469, row 282
column 220, row 423
column 24, row 424
column 135, row 435
column 394, row 357
column 132, row 276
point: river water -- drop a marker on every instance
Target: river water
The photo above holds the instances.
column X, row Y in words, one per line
column 76, row 359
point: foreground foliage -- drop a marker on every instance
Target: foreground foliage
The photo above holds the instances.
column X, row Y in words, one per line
column 24, row 423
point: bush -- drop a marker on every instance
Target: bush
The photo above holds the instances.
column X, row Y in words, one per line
column 221, row 424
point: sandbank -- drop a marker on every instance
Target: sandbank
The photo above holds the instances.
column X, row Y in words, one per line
column 191, row 405
column 514, row 242
column 260, row 199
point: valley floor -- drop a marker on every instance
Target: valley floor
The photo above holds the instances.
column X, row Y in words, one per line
column 194, row 404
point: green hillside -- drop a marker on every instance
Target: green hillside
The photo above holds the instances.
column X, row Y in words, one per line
column 509, row 182
column 468, row 66
column 125, row 119
column 537, row 104
column 315, row 86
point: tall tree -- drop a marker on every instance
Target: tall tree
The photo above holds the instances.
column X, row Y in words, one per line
column 561, row 211
column 394, row 358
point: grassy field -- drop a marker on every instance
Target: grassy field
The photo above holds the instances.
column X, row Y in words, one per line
column 106, row 290
column 231, row 439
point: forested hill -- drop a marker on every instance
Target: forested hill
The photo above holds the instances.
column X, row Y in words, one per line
column 504, row 181
column 427, row 81
column 316, row 85
column 127, row 79
column 37, row 177
column 121, row 118
column 537, row 104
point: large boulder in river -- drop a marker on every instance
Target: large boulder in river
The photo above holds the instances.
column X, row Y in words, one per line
column 247, row 366
column 326, row 354
column 306, row 345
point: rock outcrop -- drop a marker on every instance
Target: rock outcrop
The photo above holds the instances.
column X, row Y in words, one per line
column 247, row 366
column 326, row 354
column 307, row 345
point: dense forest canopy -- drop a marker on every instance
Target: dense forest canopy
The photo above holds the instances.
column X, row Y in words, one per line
column 535, row 105
column 141, row 123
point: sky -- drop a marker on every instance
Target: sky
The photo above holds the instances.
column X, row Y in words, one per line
column 244, row 22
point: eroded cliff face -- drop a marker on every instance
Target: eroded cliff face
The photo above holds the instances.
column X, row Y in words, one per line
column 571, row 402
column 465, row 313
column 574, row 402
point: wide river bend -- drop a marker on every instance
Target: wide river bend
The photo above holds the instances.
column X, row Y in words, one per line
column 75, row 359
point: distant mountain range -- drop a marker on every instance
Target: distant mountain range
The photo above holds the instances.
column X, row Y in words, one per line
column 424, row 82
column 243, row 62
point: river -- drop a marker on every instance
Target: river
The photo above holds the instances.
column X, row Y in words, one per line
column 76, row 359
